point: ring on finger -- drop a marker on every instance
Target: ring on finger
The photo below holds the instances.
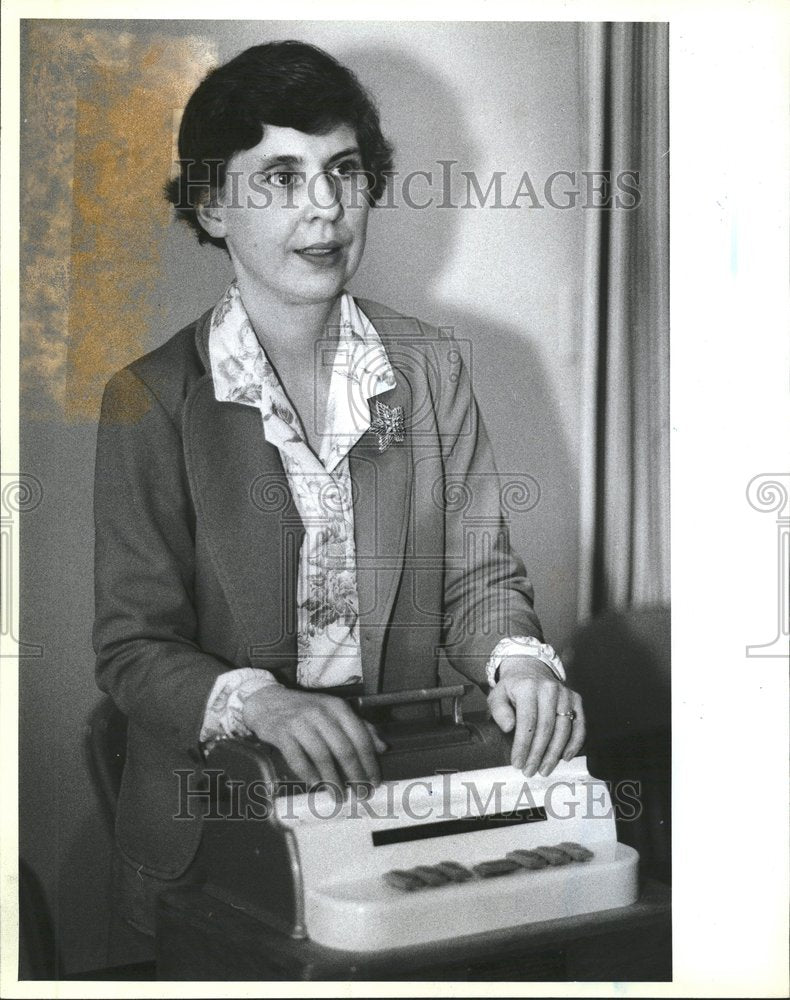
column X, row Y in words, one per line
column 567, row 715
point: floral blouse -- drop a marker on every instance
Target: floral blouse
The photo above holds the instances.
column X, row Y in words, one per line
column 327, row 601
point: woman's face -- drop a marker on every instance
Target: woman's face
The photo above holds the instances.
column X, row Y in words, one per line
column 293, row 214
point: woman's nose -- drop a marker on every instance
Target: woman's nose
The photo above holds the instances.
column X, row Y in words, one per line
column 324, row 196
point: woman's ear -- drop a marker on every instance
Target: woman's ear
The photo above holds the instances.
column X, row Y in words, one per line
column 211, row 217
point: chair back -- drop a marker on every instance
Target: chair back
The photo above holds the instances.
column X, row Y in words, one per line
column 106, row 745
column 38, row 952
column 620, row 664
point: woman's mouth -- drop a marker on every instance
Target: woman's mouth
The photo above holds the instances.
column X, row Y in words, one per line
column 321, row 252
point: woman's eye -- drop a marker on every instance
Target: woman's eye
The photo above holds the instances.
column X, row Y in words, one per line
column 281, row 178
column 347, row 167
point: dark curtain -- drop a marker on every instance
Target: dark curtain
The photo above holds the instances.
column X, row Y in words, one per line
column 625, row 426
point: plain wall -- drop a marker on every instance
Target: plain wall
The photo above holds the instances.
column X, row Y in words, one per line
column 494, row 97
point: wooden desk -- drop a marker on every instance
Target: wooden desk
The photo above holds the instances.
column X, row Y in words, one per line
column 199, row 937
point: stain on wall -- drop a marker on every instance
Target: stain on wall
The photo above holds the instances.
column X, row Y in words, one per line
column 97, row 145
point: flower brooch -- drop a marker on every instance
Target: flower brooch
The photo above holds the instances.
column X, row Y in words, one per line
column 388, row 423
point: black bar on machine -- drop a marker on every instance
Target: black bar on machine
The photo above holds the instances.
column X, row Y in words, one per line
column 446, row 828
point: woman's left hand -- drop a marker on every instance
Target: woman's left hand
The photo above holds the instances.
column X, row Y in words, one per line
column 547, row 715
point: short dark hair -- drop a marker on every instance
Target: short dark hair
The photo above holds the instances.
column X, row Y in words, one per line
column 289, row 84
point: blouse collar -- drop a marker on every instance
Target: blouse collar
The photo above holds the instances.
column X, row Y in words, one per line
column 242, row 373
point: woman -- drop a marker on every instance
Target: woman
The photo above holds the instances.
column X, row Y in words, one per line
column 284, row 505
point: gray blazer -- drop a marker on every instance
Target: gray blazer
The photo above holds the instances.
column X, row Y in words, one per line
column 197, row 544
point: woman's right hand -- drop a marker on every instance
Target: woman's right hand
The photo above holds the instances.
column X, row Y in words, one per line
column 319, row 736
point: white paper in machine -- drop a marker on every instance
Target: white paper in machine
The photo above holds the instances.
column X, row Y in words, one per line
column 454, row 842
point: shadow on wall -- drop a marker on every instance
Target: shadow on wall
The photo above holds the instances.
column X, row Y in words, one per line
column 409, row 252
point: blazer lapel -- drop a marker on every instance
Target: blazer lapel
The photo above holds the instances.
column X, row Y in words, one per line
column 382, row 484
column 253, row 530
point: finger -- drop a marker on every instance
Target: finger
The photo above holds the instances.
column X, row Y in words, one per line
column 501, row 710
column 563, row 729
column 352, row 743
column 378, row 743
column 358, row 732
column 579, row 734
column 320, row 753
column 546, row 721
column 344, row 751
column 298, row 763
column 526, row 714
